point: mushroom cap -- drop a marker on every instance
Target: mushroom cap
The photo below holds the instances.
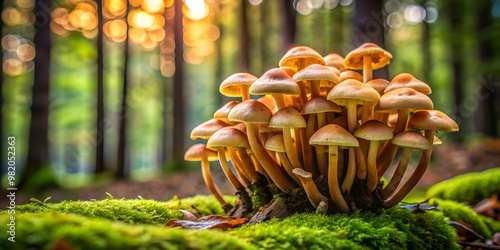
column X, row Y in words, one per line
column 223, row 112
column 341, row 121
column 406, row 80
column 290, row 71
column 393, row 120
column 437, row 141
column 301, row 52
column 207, row 129
column 251, row 111
column 320, row 104
column 335, row 70
column 353, row 90
column 333, row 134
column 198, row 152
column 374, row 130
column 334, row 60
column 231, row 85
column 228, row 137
column 349, row 74
column 379, row 57
column 241, row 126
column 269, row 102
column 287, row 118
column 379, row 85
column 432, row 120
column 411, row 139
column 264, row 128
column 403, row 98
column 275, row 81
column 275, row 143
column 327, row 77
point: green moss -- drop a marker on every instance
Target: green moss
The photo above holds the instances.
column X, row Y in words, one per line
column 459, row 212
column 471, row 187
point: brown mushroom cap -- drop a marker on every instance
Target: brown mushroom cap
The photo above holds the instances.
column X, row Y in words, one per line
column 437, row 141
column 411, row 139
column 349, row 74
column 269, row 102
column 379, row 57
column 228, row 137
column 378, row 84
column 353, row 90
column 223, row 112
column 231, row 85
column 406, row 80
column 287, row 118
column 275, row 81
column 275, row 144
column 198, row 152
column 393, row 120
column 320, row 104
column 327, row 77
column 333, row 134
column 334, row 60
column 207, row 129
column 301, row 52
column 335, row 70
column 251, row 111
column 290, row 71
column 432, row 120
column 374, row 130
column 341, row 121
column 403, row 98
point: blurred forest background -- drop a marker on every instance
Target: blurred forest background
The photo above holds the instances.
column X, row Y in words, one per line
column 90, row 102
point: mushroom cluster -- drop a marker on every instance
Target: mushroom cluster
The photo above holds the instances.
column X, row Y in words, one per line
column 321, row 130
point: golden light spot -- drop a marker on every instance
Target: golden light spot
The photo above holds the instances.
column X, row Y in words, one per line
column 10, row 42
column 167, row 68
column 156, row 35
column 26, row 52
column 153, row 6
column 116, row 30
column 12, row 67
column 26, row 4
column 137, row 35
column 140, row 19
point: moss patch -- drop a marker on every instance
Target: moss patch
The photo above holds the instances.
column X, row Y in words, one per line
column 471, row 187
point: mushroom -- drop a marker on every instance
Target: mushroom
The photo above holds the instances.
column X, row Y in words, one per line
column 275, row 144
column 409, row 141
column 320, row 106
column 374, row 132
column 207, row 129
column 334, row 136
column 312, row 192
column 349, row 74
column 406, row 80
column 252, row 112
column 379, row 85
column 335, row 60
column 318, row 76
column 237, row 85
column 367, row 57
column 222, row 113
column 199, row 152
column 335, row 70
column 430, row 121
column 230, row 137
column 287, row 119
column 403, row 101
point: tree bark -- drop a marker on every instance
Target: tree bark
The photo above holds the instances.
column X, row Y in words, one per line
column 38, row 143
column 244, row 37
column 289, row 25
column 178, row 98
column 454, row 16
column 2, row 156
column 165, row 144
column 121, row 171
column 99, row 147
column 369, row 27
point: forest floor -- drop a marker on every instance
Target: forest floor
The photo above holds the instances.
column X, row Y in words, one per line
column 448, row 161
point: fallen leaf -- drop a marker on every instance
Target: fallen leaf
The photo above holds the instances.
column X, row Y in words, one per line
column 188, row 215
column 207, row 222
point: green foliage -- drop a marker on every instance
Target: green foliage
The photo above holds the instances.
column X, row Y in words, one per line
column 470, row 187
column 460, row 212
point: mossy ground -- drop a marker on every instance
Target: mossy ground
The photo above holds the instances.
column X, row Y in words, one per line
column 137, row 224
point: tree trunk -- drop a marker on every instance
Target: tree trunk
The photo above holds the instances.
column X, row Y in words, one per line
column 219, row 61
column 264, row 27
column 454, row 16
column 178, row 108
column 244, row 37
column 2, row 156
column 289, row 25
column 121, row 171
column 38, row 143
column 99, row 147
column 165, row 144
column 426, row 49
column 369, row 27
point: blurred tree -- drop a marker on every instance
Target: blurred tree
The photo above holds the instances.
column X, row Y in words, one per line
column 289, row 25
column 165, row 143
column 369, row 27
column 426, row 49
column 38, row 142
column 244, row 37
column 121, row 171
column 219, row 58
column 264, row 28
column 178, row 90
column 99, row 147
column 1, row 97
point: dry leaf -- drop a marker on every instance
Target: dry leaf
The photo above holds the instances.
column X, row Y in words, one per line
column 207, row 222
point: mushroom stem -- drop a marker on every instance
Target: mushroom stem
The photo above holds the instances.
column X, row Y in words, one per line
column 303, row 94
column 247, row 164
column 307, row 151
column 207, row 176
column 288, row 167
column 341, row 164
column 271, row 167
column 388, row 152
column 315, row 88
column 312, row 191
column 419, row 171
column 367, row 68
column 333, row 184
column 352, row 119
column 351, row 171
column 289, row 149
column 278, row 99
column 361, row 163
column 221, row 152
column 298, row 144
column 238, row 166
column 260, row 169
column 398, row 174
column 372, row 166
column 245, row 93
column 320, row 150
